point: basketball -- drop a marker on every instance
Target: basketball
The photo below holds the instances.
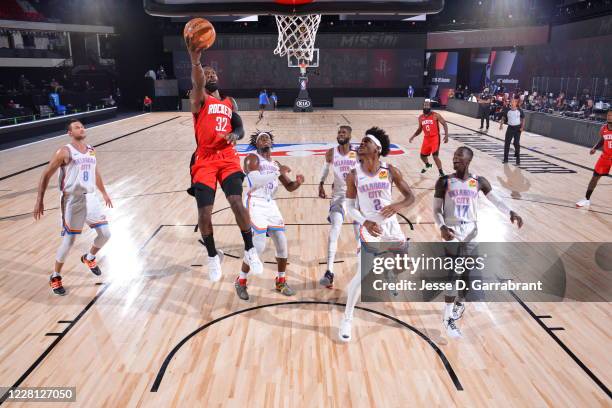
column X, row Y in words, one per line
column 199, row 34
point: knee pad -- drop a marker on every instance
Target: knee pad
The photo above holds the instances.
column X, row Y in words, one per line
column 62, row 251
column 336, row 224
column 104, row 235
column 204, row 195
column 232, row 185
column 280, row 243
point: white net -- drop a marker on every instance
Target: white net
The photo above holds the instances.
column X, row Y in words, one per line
column 296, row 36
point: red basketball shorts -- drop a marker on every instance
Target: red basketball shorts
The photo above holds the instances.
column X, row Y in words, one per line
column 430, row 145
column 214, row 166
column 603, row 164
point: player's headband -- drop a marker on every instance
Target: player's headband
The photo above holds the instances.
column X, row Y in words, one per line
column 261, row 134
column 374, row 140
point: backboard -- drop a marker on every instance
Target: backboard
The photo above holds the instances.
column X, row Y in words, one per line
column 192, row 8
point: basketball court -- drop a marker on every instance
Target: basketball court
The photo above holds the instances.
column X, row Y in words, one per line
column 153, row 331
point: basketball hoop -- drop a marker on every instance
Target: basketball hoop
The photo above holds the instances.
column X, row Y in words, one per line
column 296, row 36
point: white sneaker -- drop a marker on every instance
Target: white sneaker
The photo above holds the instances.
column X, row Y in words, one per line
column 345, row 330
column 252, row 259
column 214, row 267
column 452, row 330
column 583, row 203
column 458, row 309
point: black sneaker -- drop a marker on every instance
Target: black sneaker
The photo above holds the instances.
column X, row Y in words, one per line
column 92, row 265
column 241, row 290
column 56, row 285
column 427, row 166
column 327, row 280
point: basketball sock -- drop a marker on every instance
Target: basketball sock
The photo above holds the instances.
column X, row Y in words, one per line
column 281, row 277
column 247, row 237
column 209, row 243
column 242, row 279
column 334, row 234
column 55, row 274
column 588, row 194
column 448, row 310
column 90, row 256
column 353, row 291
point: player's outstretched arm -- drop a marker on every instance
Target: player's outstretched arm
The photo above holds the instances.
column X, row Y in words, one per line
column 198, row 95
column 329, row 155
column 498, row 202
column 286, row 181
column 444, row 125
column 404, row 188
column 418, row 132
column 59, row 158
column 100, row 185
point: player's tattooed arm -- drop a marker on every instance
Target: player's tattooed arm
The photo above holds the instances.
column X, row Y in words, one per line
column 444, row 125
column 498, row 202
column 404, row 188
column 446, row 232
column 100, row 185
column 329, row 156
column 197, row 95
column 418, row 132
column 286, row 181
column 60, row 157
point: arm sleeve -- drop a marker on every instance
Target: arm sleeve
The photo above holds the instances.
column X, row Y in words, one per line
column 324, row 172
column 438, row 203
column 256, row 179
column 237, row 126
column 353, row 211
column 498, row 202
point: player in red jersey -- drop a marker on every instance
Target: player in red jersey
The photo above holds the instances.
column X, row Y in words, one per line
column 217, row 127
column 429, row 124
column 602, row 167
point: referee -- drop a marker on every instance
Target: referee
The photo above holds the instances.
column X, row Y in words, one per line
column 515, row 118
column 484, row 107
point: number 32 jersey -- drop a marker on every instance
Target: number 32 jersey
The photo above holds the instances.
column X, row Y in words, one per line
column 212, row 122
column 374, row 192
column 79, row 175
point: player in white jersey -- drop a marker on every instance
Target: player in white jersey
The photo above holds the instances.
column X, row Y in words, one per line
column 263, row 177
column 455, row 210
column 341, row 159
column 370, row 183
column 79, row 177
